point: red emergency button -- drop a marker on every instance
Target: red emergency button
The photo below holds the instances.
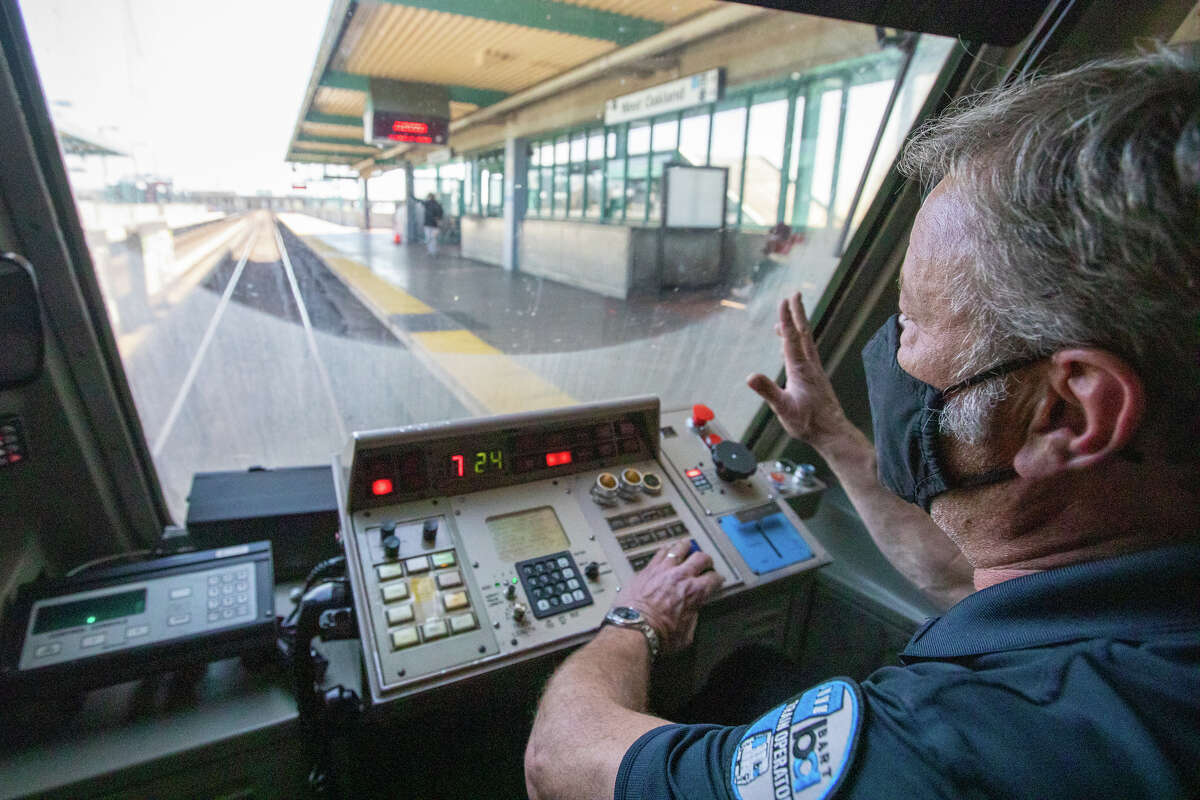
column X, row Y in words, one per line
column 701, row 415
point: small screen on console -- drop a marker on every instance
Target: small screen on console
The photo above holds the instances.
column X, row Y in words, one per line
column 89, row 612
column 527, row 534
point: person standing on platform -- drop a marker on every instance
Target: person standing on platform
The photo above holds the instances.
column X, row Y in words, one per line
column 433, row 221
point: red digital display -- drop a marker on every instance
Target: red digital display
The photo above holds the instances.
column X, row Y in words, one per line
column 391, row 126
column 460, row 466
column 558, row 459
column 381, row 487
column 692, row 473
column 408, row 126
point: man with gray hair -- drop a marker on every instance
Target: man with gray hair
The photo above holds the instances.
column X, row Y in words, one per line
column 1036, row 411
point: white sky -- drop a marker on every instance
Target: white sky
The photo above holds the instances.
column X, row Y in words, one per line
column 203, row 92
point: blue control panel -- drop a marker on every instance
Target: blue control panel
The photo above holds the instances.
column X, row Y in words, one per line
column 766, row 543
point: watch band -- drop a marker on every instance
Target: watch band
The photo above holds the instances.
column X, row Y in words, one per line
column 626, row 617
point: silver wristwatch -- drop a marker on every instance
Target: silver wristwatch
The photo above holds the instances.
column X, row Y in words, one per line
column 626, row 617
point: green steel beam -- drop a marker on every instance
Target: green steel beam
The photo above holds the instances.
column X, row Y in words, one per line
column 480, row 97
column 334, row 79
column 317, row 158
column 331, row 140
column 548, row 15
column 332, row 119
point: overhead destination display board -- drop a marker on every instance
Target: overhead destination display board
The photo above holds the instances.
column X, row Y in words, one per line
column 393, row 126
column 398, row 112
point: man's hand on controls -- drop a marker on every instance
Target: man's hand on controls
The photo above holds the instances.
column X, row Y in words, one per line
column 669, row 591
column 807, row 407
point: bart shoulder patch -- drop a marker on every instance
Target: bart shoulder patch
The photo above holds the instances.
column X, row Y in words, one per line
column 802, row 749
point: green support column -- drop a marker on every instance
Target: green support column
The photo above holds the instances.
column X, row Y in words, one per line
column 804, row 159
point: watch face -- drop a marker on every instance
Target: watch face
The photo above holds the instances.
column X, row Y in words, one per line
column 626, row 613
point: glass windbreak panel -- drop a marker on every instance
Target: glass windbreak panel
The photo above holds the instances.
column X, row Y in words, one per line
column 666, row 135
column 636, row 189
column 614, row 200
column 262, row 315
column 728, row 147
column 579, row 148
column 595, row 146
column 560, row 191
column 535, row 182
column 639, row 139
column 576, row 190
column 764, row 163
column 693, row 139
column 595, row 190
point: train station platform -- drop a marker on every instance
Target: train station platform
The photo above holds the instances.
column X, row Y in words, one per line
column 502, row 341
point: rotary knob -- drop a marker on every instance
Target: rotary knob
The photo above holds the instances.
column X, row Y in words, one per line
column 519, row 613
column 592, row 571
column 391, row 547
column 429, row 530
column 387, row 529
column 734, row 461
column 510, row 591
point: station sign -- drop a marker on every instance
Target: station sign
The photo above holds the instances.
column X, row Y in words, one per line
column 703, row 87
column 401, row 112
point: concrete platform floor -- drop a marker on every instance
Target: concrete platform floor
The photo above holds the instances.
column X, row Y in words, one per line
column 506, row 342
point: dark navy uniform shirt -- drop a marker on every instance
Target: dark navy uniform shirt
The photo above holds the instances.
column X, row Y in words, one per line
column 1079, row 682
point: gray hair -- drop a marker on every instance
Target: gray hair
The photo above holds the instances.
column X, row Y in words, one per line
column 1085, row 224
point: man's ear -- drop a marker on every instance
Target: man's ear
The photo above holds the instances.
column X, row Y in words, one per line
column 1091, row 405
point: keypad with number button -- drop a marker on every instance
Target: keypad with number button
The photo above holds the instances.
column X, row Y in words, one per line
column 551, row 584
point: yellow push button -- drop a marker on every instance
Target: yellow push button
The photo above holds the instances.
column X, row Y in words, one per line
column 448, row 580
column 462, row 622
column 405, row 637
column 389, row 571
column 434, row 629
column 397, row 615
column 395, row 591
column 443, row 560
column 455, row 600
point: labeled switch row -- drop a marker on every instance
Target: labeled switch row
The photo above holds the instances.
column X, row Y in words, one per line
column 416, row 565
column 433, row 629
column 397, row 591
column 631, row 540
column 637, row 517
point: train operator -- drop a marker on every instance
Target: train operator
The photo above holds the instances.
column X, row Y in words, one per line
column 1037, row 396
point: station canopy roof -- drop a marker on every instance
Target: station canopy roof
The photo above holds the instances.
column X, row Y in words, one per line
column 482, row 50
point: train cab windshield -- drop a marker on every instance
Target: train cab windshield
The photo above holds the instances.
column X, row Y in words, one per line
column 372, row 355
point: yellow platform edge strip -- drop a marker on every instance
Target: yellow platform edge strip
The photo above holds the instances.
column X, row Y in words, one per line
column 497, row 383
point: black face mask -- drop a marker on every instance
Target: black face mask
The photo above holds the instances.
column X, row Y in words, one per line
column 904, row 414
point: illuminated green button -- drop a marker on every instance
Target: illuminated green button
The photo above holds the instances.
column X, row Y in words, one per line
column 397, row 615
column 395, row 591
column 442, row 560
column 389, row 571
column 405, row 637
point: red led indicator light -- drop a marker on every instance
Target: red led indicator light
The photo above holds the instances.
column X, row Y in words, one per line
column 692, row 473
column 558, row 459
column 381, row 487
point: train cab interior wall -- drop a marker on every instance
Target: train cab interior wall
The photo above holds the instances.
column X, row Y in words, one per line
column 236, row 380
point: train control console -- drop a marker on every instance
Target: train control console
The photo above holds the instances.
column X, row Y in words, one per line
column 475, row 544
